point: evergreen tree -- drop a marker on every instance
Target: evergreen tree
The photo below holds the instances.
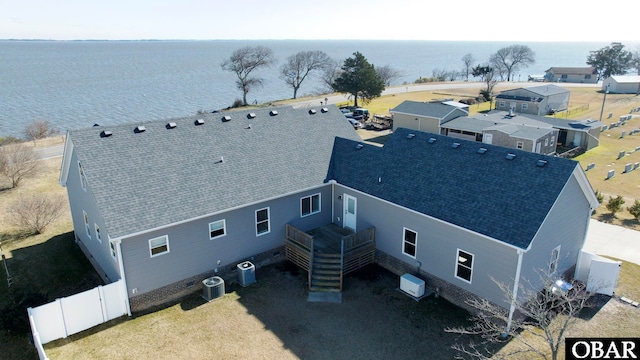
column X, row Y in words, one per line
column 359, row 78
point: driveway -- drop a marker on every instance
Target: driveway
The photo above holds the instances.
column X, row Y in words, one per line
column 612, row 240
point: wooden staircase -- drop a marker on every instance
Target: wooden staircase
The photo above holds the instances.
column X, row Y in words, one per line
column 326, row 273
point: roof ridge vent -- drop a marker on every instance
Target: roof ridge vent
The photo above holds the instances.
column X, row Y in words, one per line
column 324, row 109
column 541, row 163
column 359, row 146
column 482, row 150
column 455, row 145
column 411, row 135
column 105, row 133
column 139, row 129
column 171, row 125
column 312, row 111
column 431, row 140
column 510, row 156
column 226, row 118
column 273, row 112
column 199, row 122
column 251, row 115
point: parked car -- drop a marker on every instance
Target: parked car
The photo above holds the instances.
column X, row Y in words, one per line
column 362, row 112
column 351, row 115
column 355, row 123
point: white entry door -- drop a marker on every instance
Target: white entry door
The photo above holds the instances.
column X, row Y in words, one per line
column 487, row 138
column 350, row 209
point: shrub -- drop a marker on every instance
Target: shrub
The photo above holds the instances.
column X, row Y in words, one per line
column 237, row 103
column 37, row 212
column 615, row 204
column 39, row 129
column 635, row 209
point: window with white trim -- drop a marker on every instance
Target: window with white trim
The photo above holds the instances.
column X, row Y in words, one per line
column 112, row 246
column 464, row 265
column 501, row 104
column 409, row 242
column 159, row 246
column 83, row 178
column 546, row 141
column 97, row 228
column 310, row 205
column 262, row 221
column 553, row 140
column 519, row 144
column 524, row 106
column 217, row 229
column 555, row 256
column 86, row 223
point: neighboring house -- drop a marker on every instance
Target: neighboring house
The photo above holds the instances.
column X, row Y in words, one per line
column 540, row 134
column 536, row 100
column 627, row 84
column 426, row 116
column 166, row 204
column 587, row 75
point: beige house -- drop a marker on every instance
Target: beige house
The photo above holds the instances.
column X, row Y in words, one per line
column 426, row 116
column 585, row 75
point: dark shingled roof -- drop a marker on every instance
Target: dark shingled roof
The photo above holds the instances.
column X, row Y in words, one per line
column 433, row 110
column 504, row 199
column 164, row 174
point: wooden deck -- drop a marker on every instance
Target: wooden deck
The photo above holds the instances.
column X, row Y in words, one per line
column 328, row 253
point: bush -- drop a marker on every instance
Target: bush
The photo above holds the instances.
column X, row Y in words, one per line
column 37, row 212
column 615, row 204
column 635, row 209
column 39, row 129
column 237, row 103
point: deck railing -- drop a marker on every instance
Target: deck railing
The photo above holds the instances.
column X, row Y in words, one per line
column 354, row 241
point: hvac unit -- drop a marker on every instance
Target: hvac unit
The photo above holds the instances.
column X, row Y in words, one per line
column 412, row 285
column 212, row 288
column 246, row 273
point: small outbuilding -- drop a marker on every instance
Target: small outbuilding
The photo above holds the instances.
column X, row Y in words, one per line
column 622, row 84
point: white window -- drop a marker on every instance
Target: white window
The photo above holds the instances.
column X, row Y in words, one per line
column 98, row 236
column 546, row 141
column 262, row 221
column 83, row 178
column 555, row 256
column 519, row 144
column 464, row 265
column 501, row 104
column 310, row 205
column 159, row 246
column 86, row 223
column 524, row 106
column 553, row 140
column 409, row 242
column 217, row 229
column 112, row 246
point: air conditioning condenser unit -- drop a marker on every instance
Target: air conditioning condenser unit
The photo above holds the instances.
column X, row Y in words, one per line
column 212, row 288
column 412, row 285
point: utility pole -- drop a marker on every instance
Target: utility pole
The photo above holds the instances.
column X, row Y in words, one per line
column 603, row 100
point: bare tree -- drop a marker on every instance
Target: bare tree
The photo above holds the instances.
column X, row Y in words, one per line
column 38, row 129
column 300, row 65
column 36, row 212
column 439, row 74
column 388, row 74
column 18, row 161
column 468, row 60
column 243, row 62
column 330, row 73
column 513, row 58
column 544, row 318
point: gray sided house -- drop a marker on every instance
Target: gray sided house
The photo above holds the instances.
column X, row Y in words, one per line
column 539, row 134
column 536, row 100
column 462, row 214
column 586, row 75
column 166, row 204
column 425, row 116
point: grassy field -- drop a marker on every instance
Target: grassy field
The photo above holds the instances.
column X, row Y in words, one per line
column 258, row 322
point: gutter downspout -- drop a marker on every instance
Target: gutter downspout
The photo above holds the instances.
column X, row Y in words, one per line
column 122, row 276
column 333, row 199
column 516, row 285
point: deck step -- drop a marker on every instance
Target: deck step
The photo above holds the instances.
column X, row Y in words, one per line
column 324, row 289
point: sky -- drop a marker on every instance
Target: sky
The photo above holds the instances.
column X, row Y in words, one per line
column 463, row 20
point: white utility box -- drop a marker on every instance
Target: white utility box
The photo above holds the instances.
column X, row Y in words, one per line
column 412, row 285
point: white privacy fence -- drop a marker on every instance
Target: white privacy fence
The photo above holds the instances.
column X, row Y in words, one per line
column 76, row 313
